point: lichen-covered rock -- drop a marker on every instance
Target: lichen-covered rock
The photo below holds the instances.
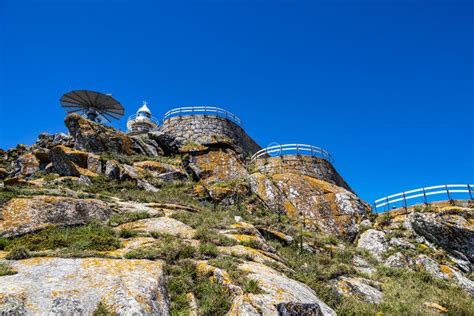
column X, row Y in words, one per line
column 445, row 272
column 453, row 230
column 26, row 215
column 316, row 203
column 97, row 138
column 160, row 225
column 112, row 169
column 216, row 165
column 48, row 141
column 53, row 286
column 373, row 241
column 70, row 162
column 362, row 266
column 27, row 165
column 278, row 289
column 398, row 261
column 161, row 170
column 359, row 288
column 401, row 243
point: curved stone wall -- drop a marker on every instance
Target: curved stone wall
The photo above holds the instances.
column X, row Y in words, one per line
column 209, row 129
column 301, row 164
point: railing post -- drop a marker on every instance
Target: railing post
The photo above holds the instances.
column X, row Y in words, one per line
column 405, row 202
column 469, row 189
column 449, row 195
column 388, row 203
column 424, row 196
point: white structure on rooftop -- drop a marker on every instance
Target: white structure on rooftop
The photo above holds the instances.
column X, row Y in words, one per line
column 142, row 121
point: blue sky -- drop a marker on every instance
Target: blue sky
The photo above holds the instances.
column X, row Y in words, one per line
column 385, row 86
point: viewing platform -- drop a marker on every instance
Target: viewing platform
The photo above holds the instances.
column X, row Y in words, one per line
column 302, row 159
column 426, row 195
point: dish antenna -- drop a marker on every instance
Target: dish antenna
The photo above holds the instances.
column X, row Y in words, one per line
column 94, row 105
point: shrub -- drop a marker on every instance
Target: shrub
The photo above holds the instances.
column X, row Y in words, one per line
column 208, row 250
column 211, row 236
column 3, row 243
column 5, row 269
column 127, row 233
column 102, row 310
column 120, row 219
column 18, row 253
column 93, row 236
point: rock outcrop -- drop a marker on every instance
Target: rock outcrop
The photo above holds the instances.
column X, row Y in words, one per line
column 54, row 286
column 97, row 138
column 27, row 215
column 451, row 229
column 315, row 203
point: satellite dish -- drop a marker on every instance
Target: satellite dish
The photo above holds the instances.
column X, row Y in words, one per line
column 92, row 104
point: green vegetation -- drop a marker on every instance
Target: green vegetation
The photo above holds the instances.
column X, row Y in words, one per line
column 406, row 291
column 213, row 298
column 93, row 236
column 208, row 250
column 127, row 233
column 6, row 269
column 102, row 310
column 169, row 248
column 207, row 235
column 179, row 193
column 18, row 253
column 123, row 218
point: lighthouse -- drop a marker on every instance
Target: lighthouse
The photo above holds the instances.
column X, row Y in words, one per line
column 142, row 121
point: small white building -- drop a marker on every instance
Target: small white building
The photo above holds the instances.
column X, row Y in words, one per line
column 142, row 121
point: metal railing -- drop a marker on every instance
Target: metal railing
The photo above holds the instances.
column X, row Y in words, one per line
column 412, row 197
column 291, row 149
column 132, row 120
column 202, row 110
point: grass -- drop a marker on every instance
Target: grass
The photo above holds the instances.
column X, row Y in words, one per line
column 406, row 291
column 94, row 236
column 6, row 269
column 127, row 217
column 211, row 236
column 127, row 233
column 176, row 193
column 129, row 160
column 208, row 250
column 169, row 248
column 212, row 298
column 18, row 253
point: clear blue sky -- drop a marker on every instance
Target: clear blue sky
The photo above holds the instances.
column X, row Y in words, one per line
column 385, row 86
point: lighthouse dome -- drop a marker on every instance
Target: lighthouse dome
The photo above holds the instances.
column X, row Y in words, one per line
column 144, row 108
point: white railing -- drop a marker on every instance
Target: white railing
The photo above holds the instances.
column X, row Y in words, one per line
column 132, row 121
column 202, row 110
column 408, row 197
column 291, row 149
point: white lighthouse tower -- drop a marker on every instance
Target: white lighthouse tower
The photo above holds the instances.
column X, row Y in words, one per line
column 142, row 122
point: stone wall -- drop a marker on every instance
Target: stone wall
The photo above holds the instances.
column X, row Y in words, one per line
column 209, row 129
column 310, row 166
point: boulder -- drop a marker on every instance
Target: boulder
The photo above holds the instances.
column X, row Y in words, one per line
column 373, row 241
column 398, row 261
column 70, row 162
column 97, row 138
column 401, row 243
column 452, row 230
column 280, row 293
column 160, row 225
column 359, row 288
column 318, row 204
column 27, row 215
column 161, row 170
column 112, row 169
column 54, row 286
column 165, row 141
column 27, row 165
column 48, row 141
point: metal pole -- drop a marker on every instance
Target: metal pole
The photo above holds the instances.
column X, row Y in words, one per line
column 424, row 195
column 447, row 191
column 388, row 203
column 469, row 189
column 404, row 200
